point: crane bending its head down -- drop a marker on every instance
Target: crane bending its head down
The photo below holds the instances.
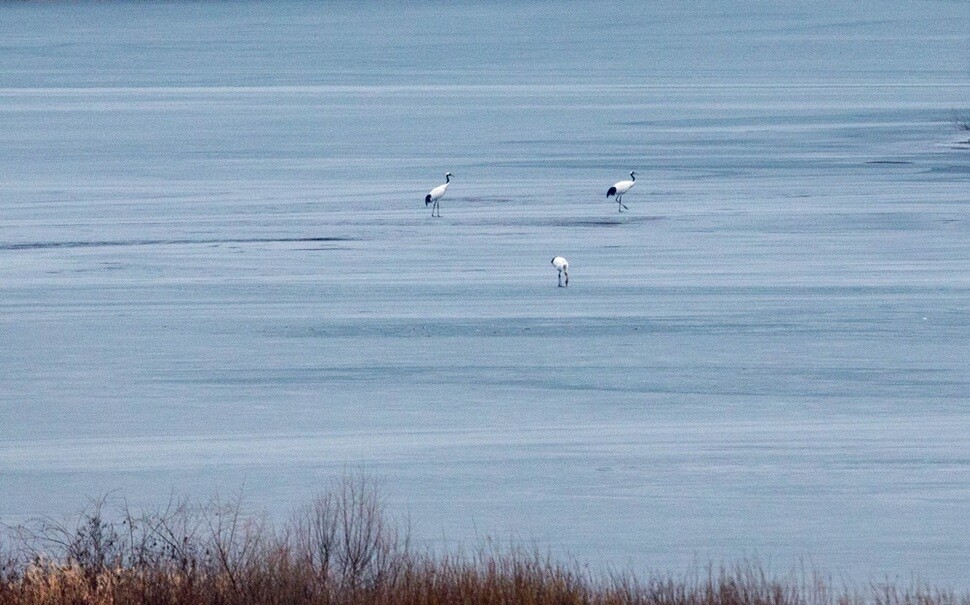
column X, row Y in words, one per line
column 561, row 265
column 436, row 194
column 620, row 188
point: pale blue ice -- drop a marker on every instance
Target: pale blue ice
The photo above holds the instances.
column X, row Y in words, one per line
column 217, row 272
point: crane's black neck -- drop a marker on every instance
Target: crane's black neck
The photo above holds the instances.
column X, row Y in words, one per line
column 633, row 176
column 447, row 178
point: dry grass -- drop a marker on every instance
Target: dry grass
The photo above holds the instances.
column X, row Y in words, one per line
column 341, row 550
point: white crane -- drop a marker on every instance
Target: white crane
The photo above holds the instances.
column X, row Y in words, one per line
column 561, row 265
column 436, row 194
column 620, row 188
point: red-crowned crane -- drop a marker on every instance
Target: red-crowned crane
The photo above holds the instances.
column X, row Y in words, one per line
column 620, row 188
column 436, row 194
column 561, row 265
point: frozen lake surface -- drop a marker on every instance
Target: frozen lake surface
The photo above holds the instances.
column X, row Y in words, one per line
column 217, row 271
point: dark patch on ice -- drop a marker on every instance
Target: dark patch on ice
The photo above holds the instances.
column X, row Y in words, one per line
column 606, row 222
column 531, row 142
column 594, row 223
column 640, row 326
column 624, row 219
column 902, row 162
column 836, row 222
column 955, row 169
column 167, row 242
column 480, row 199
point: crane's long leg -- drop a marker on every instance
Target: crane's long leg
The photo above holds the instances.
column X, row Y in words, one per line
column 560, row 279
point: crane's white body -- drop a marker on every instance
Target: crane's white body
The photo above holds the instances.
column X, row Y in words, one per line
column 624, row 186
column 620, row 188
column 561, row 265
column 436, row 194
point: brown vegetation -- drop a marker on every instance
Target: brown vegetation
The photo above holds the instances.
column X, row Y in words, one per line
column 342, row 550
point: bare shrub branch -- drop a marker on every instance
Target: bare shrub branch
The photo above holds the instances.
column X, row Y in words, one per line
column 341, row 549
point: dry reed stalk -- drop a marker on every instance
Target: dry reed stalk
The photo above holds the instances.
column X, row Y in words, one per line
column 342, row 550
